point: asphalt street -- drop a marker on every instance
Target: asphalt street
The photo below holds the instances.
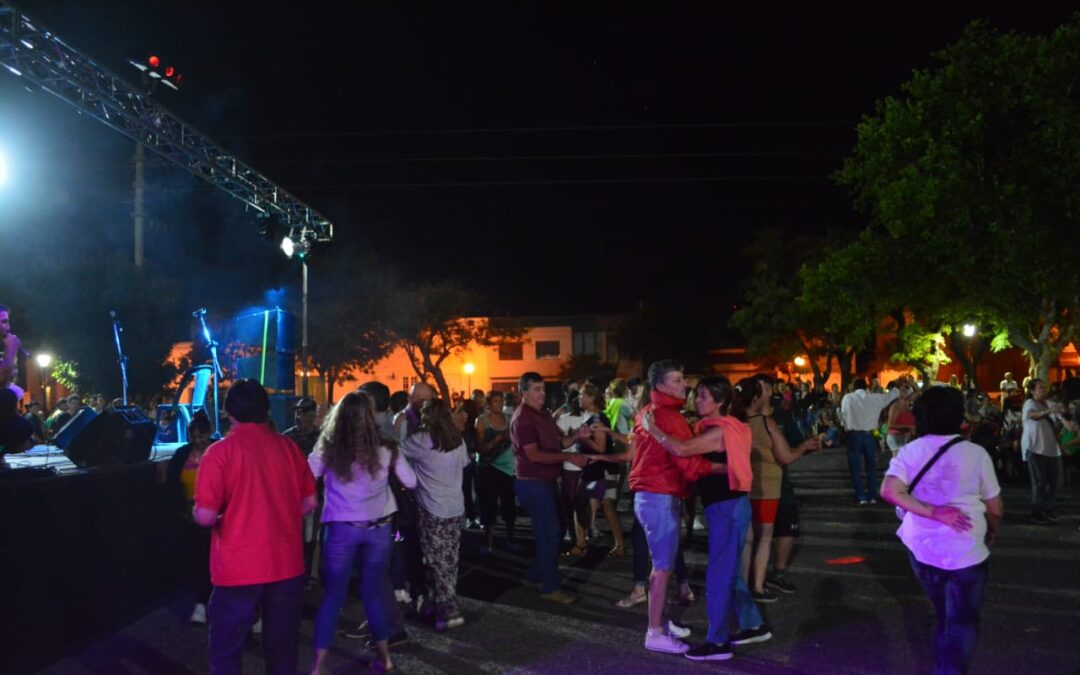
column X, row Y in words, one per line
column 867, row 616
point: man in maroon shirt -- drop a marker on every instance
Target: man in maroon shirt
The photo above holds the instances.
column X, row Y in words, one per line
column 253, row 488
column 538, row 446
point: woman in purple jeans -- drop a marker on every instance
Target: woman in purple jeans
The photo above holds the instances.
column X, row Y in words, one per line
column 355, row 461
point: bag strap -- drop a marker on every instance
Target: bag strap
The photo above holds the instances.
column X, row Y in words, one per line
column 935, row 458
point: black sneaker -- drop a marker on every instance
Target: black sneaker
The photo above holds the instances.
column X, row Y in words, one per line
column 780, row 583
column 710, row 652
column 1039, row 519
column 752, row 635
column 764, row 596
column 1051, row 516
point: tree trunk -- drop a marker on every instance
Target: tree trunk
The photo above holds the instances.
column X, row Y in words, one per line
column 845, row 360
column 968, row 352
column 330, row 376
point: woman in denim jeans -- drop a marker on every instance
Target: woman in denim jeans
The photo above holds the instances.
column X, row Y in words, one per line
column 355, row 460
column 950, row 520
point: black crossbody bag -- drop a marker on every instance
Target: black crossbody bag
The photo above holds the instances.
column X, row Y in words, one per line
column 900, row 511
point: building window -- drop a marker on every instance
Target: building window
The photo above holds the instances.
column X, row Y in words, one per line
column 512, row 351
column 587, row 343
column 547, row 349
column 408, row 382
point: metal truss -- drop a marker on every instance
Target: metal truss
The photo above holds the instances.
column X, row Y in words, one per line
column 42, row 60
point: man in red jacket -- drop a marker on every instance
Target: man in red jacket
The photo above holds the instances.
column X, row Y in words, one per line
column 660, row 482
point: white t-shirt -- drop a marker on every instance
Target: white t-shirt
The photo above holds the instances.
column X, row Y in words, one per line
column 860, row 410
column 963, row 477
column 568, row 424
column 438, row 475
column 1038, row 435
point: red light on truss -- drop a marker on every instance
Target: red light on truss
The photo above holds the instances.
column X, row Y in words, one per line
column 154, row 61
column 169, row 71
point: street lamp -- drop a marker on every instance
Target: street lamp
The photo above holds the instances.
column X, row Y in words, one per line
column 799, row 362
column 969, row 330
column 43, row 361
column 469, row 370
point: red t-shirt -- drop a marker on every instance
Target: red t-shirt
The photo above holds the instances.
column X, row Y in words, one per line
column 257, row 480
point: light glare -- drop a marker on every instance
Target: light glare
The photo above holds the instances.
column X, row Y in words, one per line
column 3, row 168
column 43, row 360
column 288, row 247
column 969, row 330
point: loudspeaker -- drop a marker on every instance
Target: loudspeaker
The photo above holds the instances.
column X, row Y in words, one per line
column 280, row 372
column 119, row 436
column 278, row 326
column 73, row 427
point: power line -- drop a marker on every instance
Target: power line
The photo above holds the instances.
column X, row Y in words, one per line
column 581, row 181
column 552, row 129
column 529, row 158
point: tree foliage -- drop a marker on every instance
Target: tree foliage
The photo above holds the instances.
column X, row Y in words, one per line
column 973, row 168
column 430, row 322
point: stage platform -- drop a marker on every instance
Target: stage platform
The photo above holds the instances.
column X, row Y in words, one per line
column 52, row 457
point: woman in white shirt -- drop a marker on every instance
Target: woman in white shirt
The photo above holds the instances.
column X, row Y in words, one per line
column 437, row 452
column 951, row 519
column 354, row 460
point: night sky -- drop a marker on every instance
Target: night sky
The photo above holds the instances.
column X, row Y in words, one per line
column 558, row 158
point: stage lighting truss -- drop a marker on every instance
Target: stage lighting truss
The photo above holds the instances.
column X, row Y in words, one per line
column 38, row 56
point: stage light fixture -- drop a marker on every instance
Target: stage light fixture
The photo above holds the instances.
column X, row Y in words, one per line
column 154, row 61
column 288, row 246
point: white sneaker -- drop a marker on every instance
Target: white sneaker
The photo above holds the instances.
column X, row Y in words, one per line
column 675, row 630
column 665, row 643
column 257, row 628
column 402, row 595
column 198, row 615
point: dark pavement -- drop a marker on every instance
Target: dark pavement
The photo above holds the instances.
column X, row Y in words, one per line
column 866, row 617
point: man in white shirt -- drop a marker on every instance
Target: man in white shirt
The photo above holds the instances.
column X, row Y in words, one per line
column 859, row 413
column 1039, row 448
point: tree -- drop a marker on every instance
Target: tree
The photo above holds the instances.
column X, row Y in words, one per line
column 348, row 321
column 431, row 322
column 654, row 333
column 974, row 167
column 578, row 367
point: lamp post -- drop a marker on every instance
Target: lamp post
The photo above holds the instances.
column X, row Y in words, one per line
column 43, row 361
column 469, row 370
column 298, row 246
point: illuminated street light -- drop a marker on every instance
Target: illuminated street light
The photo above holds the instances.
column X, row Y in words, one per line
column 969, row 330
column 800, row 361
column 469, row 370
column 43, row 361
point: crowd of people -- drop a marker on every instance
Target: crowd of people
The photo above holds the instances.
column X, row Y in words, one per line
column 384, row 483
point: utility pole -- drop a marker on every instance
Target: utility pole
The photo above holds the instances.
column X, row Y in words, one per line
column 140, row 165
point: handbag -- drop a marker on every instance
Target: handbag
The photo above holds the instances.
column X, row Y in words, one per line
column 900, row 511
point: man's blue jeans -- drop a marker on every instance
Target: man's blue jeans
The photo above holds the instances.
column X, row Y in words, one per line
column 862, row 447
column 232, row 613
column 538, row 498
column 369, row 550
column 728, row 522
column 957, row 596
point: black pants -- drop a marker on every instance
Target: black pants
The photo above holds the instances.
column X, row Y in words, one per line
column 1043, row 472
column 232, row 613
column 468, row 488
column 497, row 497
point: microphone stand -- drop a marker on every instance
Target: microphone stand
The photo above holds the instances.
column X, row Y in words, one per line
column 117, row 329
column 212, row 346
